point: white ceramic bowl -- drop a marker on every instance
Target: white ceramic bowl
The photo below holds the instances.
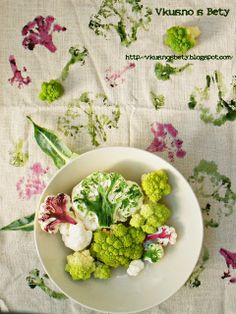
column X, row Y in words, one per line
column 156, row 282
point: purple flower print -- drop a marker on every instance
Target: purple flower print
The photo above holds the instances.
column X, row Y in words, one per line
column 166, row 140
column 39, row 31
column 17, row 75
column 33, row 183
column 230, row 260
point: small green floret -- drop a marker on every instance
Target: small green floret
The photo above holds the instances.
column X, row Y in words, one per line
column 102, row 271
column 180, row 39
column 137, row 220
column 151, row 217
column 155, row 185
column 118, row 246
column 153, row 252
column 80, row 265
column 51, row 91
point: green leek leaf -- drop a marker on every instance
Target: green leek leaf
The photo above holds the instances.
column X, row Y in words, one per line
column 52, row 145
column 24, row 224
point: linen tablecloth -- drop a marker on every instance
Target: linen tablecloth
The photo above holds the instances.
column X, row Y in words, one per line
column 187, row 119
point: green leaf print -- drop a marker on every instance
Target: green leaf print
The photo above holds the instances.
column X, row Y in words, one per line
column 158, row 101
column 125, row 17
column 18, row 157
column 164, row 71
column 80, row 114
column 77, row 55
column 194, row 279
column 34, row 280
column 215, row 102
column 214, row 192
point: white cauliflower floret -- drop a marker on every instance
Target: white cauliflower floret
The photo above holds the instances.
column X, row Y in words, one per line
column 91, row 221
column 135, row 267
column 75, row 237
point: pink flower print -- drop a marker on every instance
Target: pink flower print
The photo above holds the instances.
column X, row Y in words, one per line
column 33, row 183
column 37, row 169
column 166, row 139
column 17, row 75
column 115, row 78
column 39, row 31
column 230, row 260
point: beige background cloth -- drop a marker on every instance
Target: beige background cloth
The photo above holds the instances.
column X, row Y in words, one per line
column 201, row 141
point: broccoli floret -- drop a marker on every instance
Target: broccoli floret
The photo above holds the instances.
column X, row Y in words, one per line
column 147, row 210
column 148, row 229
column 80, row 265
column 51, row 91
column 137, row 220
column 180, row 39
column 99, row 236
column 153, row 216
column 153, row 252
column 155, row 185
column 119, row 230
column 137, row 234
column 118, row 246
column 102, row 271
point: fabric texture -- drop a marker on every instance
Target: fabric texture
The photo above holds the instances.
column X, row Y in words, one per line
column 104, row 66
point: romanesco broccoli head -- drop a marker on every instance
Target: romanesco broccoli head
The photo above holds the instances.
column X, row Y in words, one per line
column 118, row 246
column 102, row 271
column 51, row 91
column 151, row 217
column 80, row 265
column 155, row 185
column 119, row 230
column 180, row 38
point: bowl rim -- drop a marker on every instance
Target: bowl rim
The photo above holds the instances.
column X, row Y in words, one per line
column 201, row 228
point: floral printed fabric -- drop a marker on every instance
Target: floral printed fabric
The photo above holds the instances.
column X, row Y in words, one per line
column 203, row 152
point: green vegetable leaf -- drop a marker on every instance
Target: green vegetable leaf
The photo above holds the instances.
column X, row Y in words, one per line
column 52, row 145
column 24, row 224
column 34, row 280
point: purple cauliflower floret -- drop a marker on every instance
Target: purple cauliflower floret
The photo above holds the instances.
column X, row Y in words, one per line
column 55, row 211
